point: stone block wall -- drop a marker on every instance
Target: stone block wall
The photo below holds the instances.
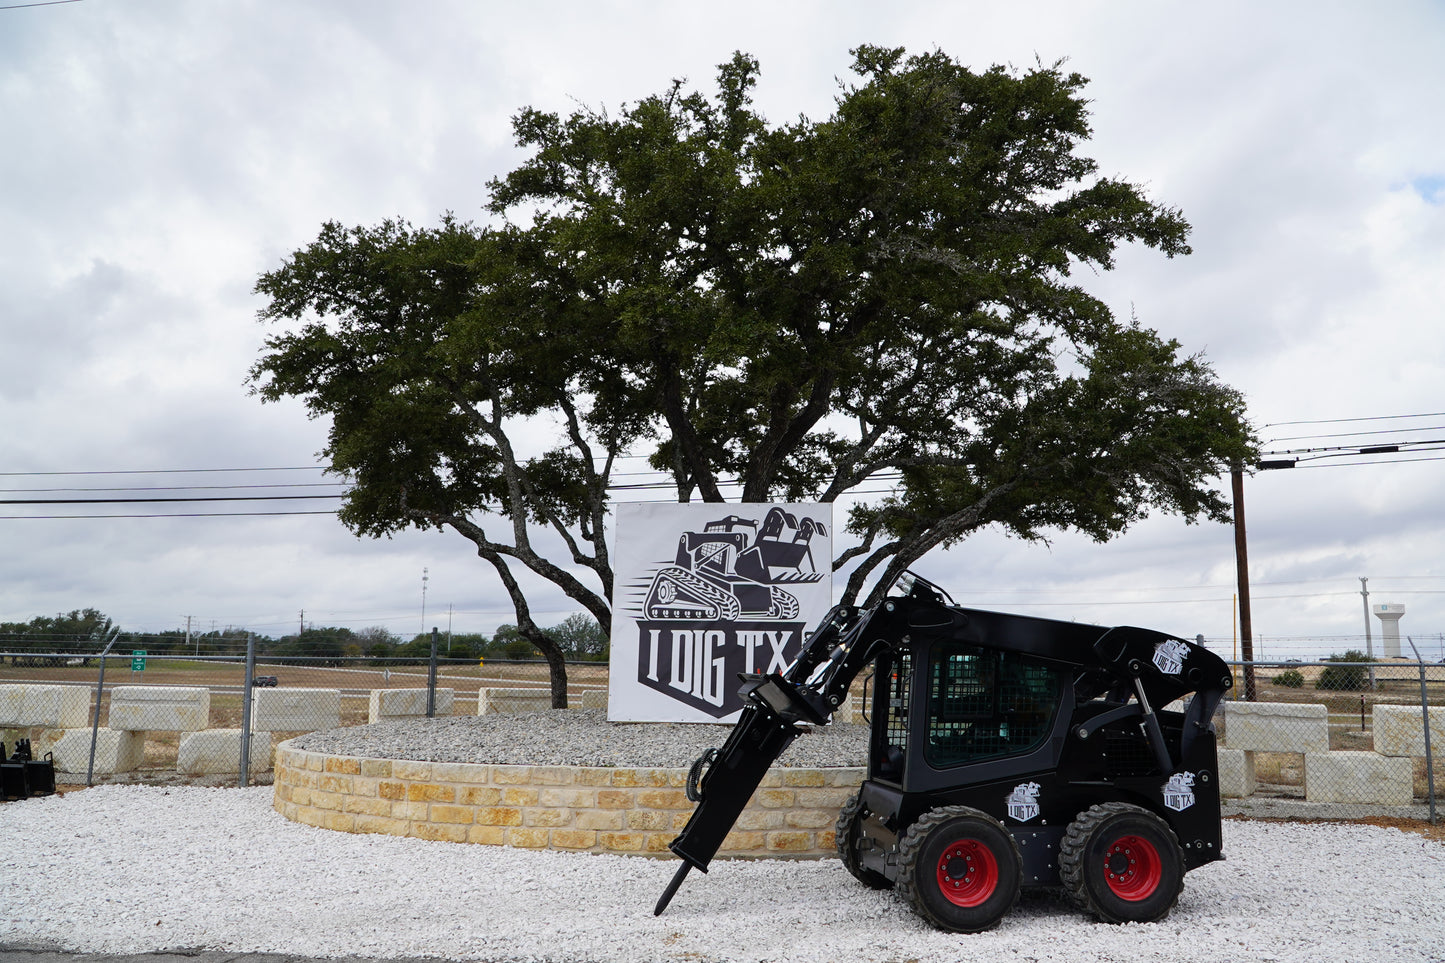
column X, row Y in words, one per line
column 585, row 809
column 513, row 700
column 26, row 705
column 1276, row 727
column 1236, row 773
column 295, row 710
column 407, row 704
column 1358, row 777
column 219, row 751
column 116, row 750
column 1400, row 730
column 163, row 708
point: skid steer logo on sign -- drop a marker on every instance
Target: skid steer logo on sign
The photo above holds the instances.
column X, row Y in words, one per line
column 703, row 595
column 1023, row 802
column 1169, row 656
column 1179, row 791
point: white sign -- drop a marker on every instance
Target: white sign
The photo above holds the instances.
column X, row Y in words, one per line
column 704, row 591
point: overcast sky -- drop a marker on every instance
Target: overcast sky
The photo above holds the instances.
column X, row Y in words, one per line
column 159, row 155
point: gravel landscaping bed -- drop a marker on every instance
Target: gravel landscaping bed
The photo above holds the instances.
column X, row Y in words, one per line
column 567, row 737
column 132, row 869
column 127, row 869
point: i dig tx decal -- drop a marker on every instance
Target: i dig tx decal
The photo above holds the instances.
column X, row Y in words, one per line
column 1179, row 791
column 1023, row 802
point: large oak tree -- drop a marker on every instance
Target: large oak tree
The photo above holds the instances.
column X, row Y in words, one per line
column 766, row 312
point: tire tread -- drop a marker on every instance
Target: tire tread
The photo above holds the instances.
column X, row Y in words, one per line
column 911, row 846
column 1076, row 842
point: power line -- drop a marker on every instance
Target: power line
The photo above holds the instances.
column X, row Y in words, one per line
column 165, row 515
column 190, row 498
column 1361, row 434
column 39, row 3
column 171, row 488
column 1377, row 461
column 1341, row 421
column 156, row 471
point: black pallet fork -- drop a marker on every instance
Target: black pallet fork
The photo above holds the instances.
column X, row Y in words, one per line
column 22, row 775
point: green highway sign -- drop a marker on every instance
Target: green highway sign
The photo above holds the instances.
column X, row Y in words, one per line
column 138, row 660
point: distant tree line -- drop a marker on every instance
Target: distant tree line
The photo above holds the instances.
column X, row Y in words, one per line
column 83, row 633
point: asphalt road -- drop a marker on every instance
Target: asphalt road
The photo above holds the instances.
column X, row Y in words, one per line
column 34, row 953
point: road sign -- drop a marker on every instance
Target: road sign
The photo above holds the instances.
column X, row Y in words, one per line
column 138, row 660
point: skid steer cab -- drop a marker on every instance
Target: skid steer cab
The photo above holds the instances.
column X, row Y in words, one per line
column 1005, row 752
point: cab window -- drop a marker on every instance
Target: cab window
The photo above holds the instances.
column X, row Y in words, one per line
column 983, row 704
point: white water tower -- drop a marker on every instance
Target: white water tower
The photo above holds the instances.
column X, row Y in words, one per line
column 1390, row 614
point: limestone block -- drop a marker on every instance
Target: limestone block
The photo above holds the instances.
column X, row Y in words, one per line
column 165, row 708
column 1276, row 727
column 295, row 710
column 1236, row 773
column 513, row 700
column 407, row 703
column 1400, row 730
column 52, row 706
column 44, row 740
column 1359, row 777
column 219, row 751
column 116, row 750
column 594, row 698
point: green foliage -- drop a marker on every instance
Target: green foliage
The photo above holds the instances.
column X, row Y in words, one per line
column 327, row 644
column 1343, row 676
column 1290, row 679
column 510, row 643
column 800, row 307
column 377, row 641
column 580, row 637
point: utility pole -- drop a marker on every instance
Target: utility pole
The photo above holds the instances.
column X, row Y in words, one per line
column 188, row 636
column 423, row 599
column 1241, row 563
column 1369, row 643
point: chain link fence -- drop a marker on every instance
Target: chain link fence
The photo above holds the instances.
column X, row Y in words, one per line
column 216, row 720
column 1338, row 738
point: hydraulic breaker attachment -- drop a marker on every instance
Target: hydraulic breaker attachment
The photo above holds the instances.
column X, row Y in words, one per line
column 779, row 707
column 725, row 786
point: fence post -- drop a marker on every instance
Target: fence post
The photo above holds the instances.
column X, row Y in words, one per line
column 431, row 678
column 246, row 710
column 1425, row 716
column 95, row 723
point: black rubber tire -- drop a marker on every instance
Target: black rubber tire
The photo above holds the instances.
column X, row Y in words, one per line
column 1122, row 863
column 959, row 869
column 845, row 838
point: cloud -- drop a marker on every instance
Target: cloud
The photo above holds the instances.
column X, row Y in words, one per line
column 160, row 157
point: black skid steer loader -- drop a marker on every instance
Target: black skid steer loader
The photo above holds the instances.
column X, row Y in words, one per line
column 1005, row 752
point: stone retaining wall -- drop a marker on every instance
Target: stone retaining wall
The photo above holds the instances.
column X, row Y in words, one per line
column 582, row 809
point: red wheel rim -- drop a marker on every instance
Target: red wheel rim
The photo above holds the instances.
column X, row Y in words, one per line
column 967, row 872
column 1132, row 868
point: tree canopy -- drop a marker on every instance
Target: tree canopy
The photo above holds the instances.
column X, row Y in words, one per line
column 765, row 311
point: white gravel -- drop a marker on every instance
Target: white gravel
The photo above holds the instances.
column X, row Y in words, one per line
column 124, row 869
column 568, row 737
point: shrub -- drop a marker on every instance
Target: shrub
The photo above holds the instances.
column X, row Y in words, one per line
column 1290, row 679
column 1343, row 677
